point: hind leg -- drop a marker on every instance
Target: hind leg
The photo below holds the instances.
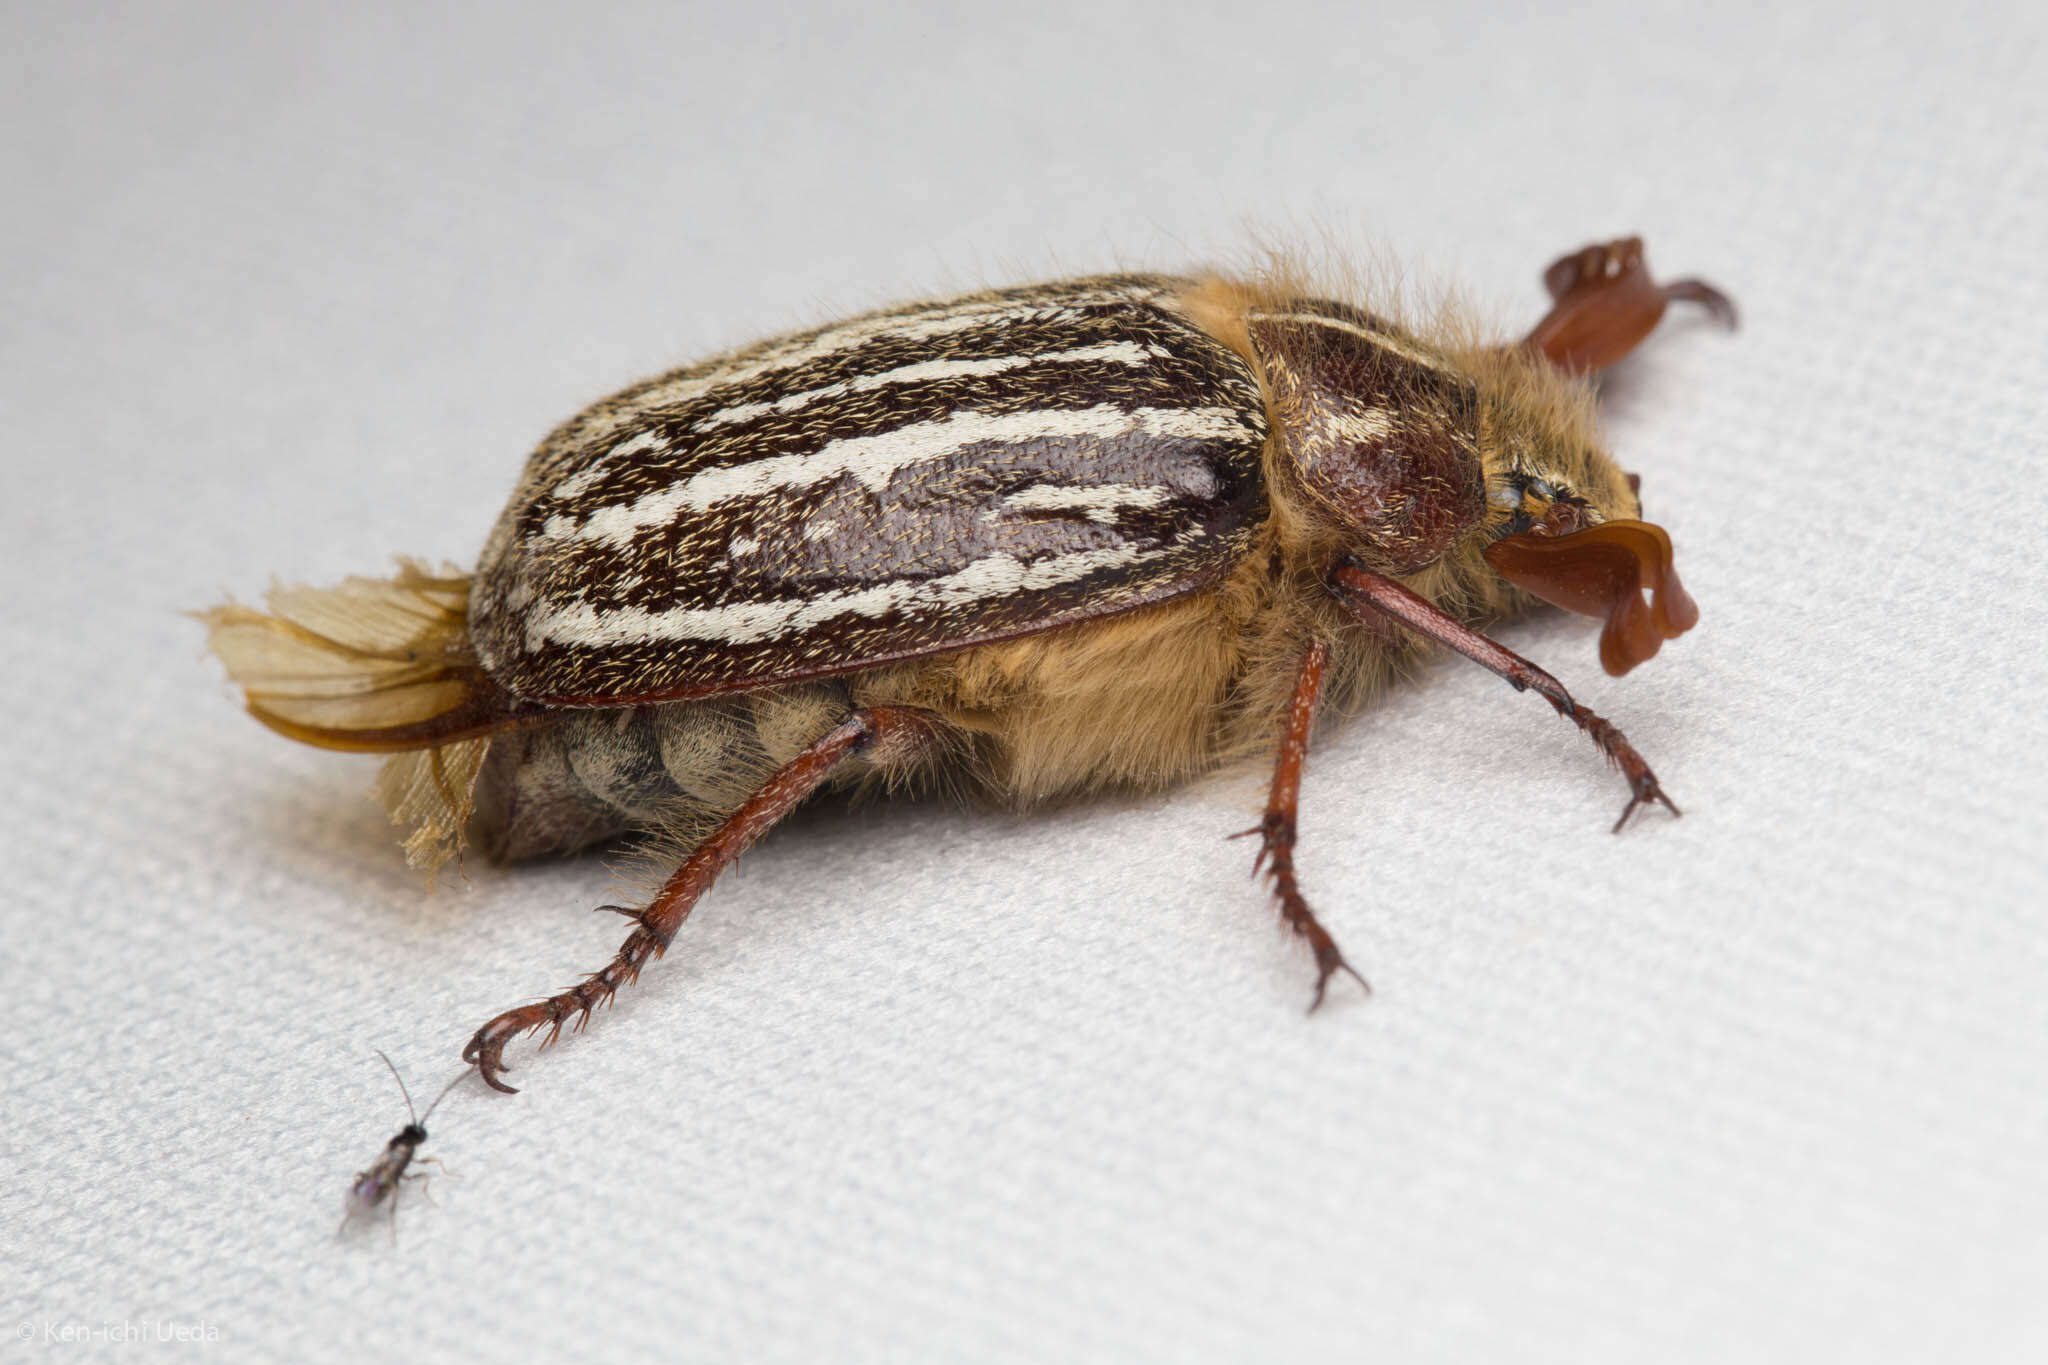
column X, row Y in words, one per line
column 883, row 732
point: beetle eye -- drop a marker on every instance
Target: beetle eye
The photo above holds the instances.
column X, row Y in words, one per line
column 1604, row 571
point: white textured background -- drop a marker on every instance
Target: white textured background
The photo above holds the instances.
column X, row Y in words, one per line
column 286, row 291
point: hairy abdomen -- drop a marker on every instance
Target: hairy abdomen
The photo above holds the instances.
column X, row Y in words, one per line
column 676, row 768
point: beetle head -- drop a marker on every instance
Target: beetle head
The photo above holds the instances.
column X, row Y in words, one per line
column 1414, row 451
column 1566, row 530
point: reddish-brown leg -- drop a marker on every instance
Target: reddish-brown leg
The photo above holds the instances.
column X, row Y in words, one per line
column 1369, row 594
column 1606, row 301
column 866, row 729
column 1277, row 830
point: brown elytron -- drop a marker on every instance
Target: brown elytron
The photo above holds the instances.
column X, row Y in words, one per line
column 1020, row 544
column 673, row 532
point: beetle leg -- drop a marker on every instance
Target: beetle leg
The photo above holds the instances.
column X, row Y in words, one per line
column 1277, row 830
column 1606, row 302
column 878, row 730
column 1369, row 594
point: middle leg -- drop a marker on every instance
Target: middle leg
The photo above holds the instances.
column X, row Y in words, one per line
column 1277, row 831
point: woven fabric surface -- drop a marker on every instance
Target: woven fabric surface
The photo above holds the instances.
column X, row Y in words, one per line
column 291, row 290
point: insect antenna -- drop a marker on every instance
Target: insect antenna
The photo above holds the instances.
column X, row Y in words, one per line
column 460, row 1077
column 409, row 1110
column 419, row 1120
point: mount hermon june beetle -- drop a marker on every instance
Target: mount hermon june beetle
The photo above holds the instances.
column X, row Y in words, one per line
column 1021, row 543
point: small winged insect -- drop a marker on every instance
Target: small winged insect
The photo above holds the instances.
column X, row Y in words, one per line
column 1021, row 544
column 379, row 1183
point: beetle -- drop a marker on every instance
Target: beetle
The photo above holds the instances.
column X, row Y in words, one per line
column 381, row 1179
column 1024, row 543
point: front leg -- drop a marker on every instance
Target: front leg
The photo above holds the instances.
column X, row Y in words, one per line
column 1277, row 831
column 1606, row 302
column 1370, row 595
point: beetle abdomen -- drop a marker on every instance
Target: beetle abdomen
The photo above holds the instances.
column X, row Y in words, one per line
column 593, row 774
column 893, row 486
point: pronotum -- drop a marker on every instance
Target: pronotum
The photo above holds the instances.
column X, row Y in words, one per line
column 1021, row 544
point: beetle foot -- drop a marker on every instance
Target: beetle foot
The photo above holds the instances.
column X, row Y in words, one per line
column 1329, row 961
column 1643, row 791
column 486, row 1048
column 1276, row 861
column 1643, row 787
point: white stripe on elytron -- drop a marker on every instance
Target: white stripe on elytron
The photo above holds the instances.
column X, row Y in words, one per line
column 875, row 459
column 1099, row 503
column 918, row 326
column 578, row 483
column 583, row 626
column 1380, row 339
column 1120, row 352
